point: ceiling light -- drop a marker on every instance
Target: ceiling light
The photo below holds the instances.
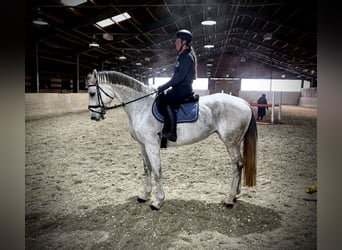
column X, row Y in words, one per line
column 94, row 45
column 209, row 46
column 138, row 63
column 208, row 43
column 208, row 22
column 107, row 36
column 115, row 19
column 267, row 36
column 122, row 57
column 121, row 17
column 104, row 23
column 40, row 21
column 73, row 2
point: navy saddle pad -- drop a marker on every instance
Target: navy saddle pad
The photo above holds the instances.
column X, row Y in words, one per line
column 187, row 112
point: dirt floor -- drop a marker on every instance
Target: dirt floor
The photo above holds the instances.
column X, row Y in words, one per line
column 82, row 179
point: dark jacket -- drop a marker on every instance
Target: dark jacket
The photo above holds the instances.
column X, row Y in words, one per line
column 262, row 100
column 184, row 74
column 262, row 110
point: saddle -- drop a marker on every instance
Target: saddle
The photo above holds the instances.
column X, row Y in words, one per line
column 193, row 98
column 187, row 110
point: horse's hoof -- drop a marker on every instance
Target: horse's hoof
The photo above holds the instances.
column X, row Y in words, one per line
column 229, row 202
column 156, row 205
column 154, row 208
column 229, row 205
column 141, row 200
column 144, row 197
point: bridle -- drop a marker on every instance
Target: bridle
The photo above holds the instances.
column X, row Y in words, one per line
column 99, row 100
column 101, row 103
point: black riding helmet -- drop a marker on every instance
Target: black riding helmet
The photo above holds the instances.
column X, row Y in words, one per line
column 184, row 35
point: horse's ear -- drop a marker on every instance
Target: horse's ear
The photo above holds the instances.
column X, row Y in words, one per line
column 95, row 74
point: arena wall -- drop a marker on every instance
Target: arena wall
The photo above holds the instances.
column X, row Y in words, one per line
column 288, row 98
column 39, row 105
column 306, row 97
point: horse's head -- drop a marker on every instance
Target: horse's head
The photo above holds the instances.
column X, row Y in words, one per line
column 99, row 97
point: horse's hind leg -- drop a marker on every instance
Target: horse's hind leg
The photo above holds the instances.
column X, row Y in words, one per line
column 148, row 182
column 237, row 163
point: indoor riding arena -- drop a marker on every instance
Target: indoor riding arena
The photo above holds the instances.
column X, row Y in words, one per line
column 83, row 176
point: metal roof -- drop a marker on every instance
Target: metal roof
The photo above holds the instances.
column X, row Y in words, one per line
column 147, row 37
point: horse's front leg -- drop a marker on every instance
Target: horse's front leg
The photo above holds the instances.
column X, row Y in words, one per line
column 148, row 182
column 153, row 155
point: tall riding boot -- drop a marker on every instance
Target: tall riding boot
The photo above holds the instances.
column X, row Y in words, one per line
column 171, row 118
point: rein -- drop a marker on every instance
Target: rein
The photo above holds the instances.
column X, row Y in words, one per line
column 125, row 103
column 101, row 104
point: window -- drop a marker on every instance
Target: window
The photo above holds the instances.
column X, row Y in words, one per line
column 199, row 83
column 115, row 19
column 73, row 2
column 286, row 85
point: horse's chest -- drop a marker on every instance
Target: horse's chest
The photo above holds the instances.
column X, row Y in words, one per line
column 136, row 130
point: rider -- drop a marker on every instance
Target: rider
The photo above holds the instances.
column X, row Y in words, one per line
column 185, row 71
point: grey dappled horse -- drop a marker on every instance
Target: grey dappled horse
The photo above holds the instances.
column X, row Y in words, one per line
column 230, row 117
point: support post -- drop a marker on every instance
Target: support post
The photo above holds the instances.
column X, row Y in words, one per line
column 272, row 114
column 280, row 103
column 37, row 67
column 78, row 73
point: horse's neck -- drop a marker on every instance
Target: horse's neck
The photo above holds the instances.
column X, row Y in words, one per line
column 125, row 94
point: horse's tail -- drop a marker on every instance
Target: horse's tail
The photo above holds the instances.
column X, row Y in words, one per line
column 250, row 153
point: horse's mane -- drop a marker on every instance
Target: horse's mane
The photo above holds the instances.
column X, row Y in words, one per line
column 115, row 77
